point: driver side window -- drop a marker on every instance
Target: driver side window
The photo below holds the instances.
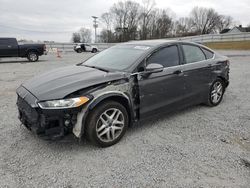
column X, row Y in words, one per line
column 167, row 56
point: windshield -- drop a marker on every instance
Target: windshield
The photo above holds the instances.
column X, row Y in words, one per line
column 117, row 58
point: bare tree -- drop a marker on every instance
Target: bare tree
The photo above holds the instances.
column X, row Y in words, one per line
column 85, row 35
column 107, row 19
column 133, row 19
column 183, row 26
column 146, row 16
column 126, row 15
column 160, row 24
column 129, row 20
column 106, row 34
column 76, row 38
column 225, row 22
column 204, row 20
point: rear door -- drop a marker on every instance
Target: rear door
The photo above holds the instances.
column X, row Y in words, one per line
column 8, row 47
column 197, row 70
column 162, row 89
column 88, row 48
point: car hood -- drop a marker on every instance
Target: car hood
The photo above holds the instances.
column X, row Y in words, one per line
column 59, row 83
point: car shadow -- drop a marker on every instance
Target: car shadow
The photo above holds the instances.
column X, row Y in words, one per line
column 71, row 143
column 162, row 117
column 19, row 61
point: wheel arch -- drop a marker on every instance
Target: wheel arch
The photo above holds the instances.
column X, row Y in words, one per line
column 31, row 50
column 224, row 80
column 118, row 97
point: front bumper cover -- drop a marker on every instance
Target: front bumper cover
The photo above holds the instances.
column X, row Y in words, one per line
column 47, row 124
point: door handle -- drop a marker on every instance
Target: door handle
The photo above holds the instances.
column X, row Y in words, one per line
column 9, row 46
column 178, row 72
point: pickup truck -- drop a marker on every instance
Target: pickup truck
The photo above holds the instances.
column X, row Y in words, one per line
column 10, row 48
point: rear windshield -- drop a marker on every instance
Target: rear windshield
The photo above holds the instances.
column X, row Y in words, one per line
column 118, row 57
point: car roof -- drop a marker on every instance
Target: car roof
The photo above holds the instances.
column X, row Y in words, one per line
column 7, row 38
column 160, row 42
column 155, row 42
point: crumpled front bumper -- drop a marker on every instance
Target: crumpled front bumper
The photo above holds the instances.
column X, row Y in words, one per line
column 47, row 124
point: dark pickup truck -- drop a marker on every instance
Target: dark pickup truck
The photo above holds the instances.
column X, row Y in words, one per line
column 10, row 48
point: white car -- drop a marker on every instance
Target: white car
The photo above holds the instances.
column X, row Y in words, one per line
column 79, row 48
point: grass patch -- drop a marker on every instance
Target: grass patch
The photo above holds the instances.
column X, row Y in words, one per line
column 234, row 45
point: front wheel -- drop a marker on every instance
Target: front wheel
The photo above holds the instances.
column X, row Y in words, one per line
column 79, row 50
column 107, row 124
column 32, row 56
column 216, row 93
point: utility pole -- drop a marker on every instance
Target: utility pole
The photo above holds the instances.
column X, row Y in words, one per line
column 95, row 25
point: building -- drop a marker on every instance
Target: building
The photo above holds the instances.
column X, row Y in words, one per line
column 239, row 29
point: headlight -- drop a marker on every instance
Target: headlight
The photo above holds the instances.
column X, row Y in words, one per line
column 64, row 103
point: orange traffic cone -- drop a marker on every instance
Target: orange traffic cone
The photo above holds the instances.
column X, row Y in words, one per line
column 58, row 54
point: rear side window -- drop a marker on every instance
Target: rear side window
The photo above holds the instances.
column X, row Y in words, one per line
column 167, row 56
column 4, row 41
column 193, row 53
column 209, row 54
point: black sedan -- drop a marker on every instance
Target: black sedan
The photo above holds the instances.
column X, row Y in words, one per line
column 102, row 96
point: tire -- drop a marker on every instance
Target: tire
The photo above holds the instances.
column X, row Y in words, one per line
column 216, row 93
column 104, row 130
column 32, row 56
column 79, row 50
column 94, row 50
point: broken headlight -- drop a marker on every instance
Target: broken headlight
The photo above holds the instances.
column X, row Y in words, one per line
column 64, row 103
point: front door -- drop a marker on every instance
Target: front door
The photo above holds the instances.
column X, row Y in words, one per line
column 8, row 47
column 162, row 89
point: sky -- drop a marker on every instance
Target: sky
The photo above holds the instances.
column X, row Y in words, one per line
column 56, row 20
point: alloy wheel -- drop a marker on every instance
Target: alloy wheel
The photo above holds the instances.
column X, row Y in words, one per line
column 110, row 124
column 217, row 92
column 32, row 56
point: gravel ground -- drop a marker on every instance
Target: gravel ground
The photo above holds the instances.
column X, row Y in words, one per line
column 196, row 147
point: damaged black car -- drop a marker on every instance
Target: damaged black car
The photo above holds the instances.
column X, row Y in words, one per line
column 99, row 98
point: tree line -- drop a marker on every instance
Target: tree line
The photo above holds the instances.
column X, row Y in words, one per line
column 129, row 20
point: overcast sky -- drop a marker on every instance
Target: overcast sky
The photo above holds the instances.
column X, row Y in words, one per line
column 56, row 19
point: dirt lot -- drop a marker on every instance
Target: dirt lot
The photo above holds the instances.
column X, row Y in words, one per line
column 196, row 147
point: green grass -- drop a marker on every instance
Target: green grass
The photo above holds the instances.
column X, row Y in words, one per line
column 234, row 45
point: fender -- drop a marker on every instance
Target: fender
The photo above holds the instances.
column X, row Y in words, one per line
column 106, row 95
column 31, row 49
column 78, row 129
column 111, row 94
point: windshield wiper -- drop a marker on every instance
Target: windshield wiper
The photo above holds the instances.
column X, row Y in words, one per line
column 99, row 68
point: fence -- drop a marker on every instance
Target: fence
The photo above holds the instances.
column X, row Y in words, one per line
column 228, row 37
column 69, row 47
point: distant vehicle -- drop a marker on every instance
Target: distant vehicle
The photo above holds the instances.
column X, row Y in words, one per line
column 10, row 48
column 79, row 48
column 102, row 96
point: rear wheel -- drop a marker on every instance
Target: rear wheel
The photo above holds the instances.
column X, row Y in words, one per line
column 216, row 92
column 94, row 50
column 107, row 124
column 32, row 56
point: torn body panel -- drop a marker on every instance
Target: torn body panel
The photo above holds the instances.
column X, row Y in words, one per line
column 54, row 124
column 125, row 89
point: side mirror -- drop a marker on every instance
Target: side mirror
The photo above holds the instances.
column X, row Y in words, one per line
column 154, row 68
